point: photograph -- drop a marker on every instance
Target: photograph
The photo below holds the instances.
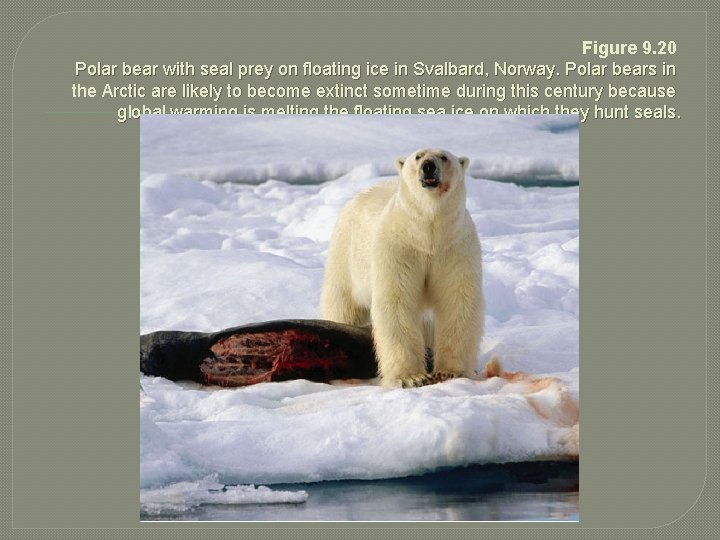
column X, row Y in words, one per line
column 366, row 318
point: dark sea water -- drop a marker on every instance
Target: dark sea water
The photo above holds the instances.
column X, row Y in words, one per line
column 538, row 491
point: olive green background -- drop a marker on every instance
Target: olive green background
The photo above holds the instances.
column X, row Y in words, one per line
column 648, row 380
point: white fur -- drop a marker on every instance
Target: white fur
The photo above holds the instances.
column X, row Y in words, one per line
column 401, row 252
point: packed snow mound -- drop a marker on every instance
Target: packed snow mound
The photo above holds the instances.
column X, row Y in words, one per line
column 300, row 431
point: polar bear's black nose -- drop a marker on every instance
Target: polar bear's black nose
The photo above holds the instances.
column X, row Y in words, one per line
column 428, row 168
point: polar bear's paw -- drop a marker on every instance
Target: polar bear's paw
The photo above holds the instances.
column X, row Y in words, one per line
column 410, row 381
column 415, row 381
column 442, row 376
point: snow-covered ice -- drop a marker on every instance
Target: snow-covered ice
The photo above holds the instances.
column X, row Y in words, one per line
column 176, row 499
column 311, row 149
column 236, row 214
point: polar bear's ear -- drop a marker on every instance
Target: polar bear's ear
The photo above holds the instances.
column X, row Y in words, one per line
column 465, row 163
column 399, row 162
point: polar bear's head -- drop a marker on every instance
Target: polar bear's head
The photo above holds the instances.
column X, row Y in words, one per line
column 432, row 169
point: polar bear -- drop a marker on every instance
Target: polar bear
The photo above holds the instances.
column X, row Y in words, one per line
column 405, row 257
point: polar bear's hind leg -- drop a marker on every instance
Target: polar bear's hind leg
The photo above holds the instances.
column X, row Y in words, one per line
column 338, row 305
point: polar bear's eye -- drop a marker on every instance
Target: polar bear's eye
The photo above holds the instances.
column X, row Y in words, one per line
column 444, row 158
column 417, row 156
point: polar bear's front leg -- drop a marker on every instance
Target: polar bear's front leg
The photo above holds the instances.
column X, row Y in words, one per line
column 397, row 322
column 459, row 315
column 399, row 344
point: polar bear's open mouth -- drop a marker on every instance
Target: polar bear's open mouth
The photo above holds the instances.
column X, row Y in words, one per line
column 430, row 182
